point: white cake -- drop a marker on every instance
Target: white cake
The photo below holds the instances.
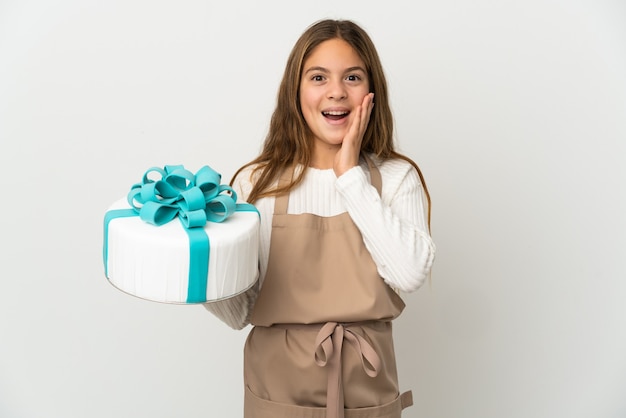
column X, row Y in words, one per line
column 155, row 262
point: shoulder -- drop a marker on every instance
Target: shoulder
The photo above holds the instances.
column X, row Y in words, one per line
column 396, row 172
column 244, row 181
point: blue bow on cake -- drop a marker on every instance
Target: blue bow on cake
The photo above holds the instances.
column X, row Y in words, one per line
column 195, row 199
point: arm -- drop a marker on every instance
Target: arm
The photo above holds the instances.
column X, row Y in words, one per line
column 235, row 312
column 393, row 226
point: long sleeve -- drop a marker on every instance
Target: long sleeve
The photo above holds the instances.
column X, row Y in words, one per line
column 394, row 225
column 235, row 312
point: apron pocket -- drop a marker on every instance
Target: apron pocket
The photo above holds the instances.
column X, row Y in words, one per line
column 256, row 407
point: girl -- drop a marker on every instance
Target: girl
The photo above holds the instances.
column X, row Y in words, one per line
column 343, row 229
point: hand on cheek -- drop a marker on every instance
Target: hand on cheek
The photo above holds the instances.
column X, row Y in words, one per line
column 348, row 155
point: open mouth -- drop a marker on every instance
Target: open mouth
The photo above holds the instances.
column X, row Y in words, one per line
column 335, row 114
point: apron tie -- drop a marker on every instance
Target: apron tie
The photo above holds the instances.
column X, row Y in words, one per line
column 328, row 346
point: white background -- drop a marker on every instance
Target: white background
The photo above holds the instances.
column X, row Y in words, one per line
column 515, row 111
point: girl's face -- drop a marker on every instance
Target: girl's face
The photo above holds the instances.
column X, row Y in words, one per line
column 334, row 82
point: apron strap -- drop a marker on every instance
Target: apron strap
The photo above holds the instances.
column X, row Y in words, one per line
column 375, row 177
column 406, row 399
column 328, row 348
column 282, row 201
column 328, row 345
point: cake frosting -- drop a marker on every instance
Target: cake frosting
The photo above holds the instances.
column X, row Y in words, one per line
column 181, row 239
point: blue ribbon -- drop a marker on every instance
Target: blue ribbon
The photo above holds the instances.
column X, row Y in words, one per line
column 195, row 200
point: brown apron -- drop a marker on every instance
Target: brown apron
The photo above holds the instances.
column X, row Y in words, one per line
column 321, row 293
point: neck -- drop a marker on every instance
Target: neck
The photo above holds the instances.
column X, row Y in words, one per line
column 324, row 156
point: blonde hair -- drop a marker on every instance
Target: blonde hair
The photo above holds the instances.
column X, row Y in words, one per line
column 288, row 139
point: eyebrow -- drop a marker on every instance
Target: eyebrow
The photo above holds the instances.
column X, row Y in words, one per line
column 325, row 70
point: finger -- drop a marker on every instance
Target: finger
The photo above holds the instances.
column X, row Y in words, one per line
column 367, row 107
column 366, row 111
column 370, row 106
column 355, row 128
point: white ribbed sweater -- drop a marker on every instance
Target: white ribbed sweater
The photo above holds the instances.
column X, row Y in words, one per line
column 394, row 225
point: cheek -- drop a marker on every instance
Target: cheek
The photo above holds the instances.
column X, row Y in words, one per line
column 307, row 98
column 361, row 92
column 307, row 104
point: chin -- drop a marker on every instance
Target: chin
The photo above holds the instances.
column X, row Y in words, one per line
column 334, row 142
column 334, row 139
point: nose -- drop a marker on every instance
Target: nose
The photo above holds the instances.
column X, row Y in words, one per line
column 336, row 90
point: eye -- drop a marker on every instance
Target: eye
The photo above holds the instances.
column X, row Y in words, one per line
column 317, row 77
column 353, row 77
